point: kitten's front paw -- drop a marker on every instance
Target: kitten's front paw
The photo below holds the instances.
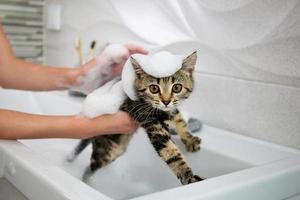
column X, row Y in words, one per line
column 193, row 144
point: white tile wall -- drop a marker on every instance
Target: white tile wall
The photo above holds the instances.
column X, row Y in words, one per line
column 262, row 110
column 23, row 23
column 248, row 70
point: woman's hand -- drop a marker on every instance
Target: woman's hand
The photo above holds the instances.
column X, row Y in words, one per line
column 117, row 67
column 123, row 123
column 18, row 125
column 103, row 68
column 117, row 123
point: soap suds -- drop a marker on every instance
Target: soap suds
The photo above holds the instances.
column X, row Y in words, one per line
column 161, row 64
column 104, row 100
column 114, row 53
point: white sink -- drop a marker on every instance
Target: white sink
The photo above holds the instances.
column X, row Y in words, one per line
column 236, row 167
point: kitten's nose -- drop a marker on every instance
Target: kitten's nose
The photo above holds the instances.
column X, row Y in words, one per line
column 166, row 102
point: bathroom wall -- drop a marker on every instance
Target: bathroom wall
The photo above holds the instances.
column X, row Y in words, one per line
column 23, row 23
column 248, row 73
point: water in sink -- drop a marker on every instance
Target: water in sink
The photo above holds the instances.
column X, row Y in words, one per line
column 139, row 171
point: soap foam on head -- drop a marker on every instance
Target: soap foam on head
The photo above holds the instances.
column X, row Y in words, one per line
column 161, row 64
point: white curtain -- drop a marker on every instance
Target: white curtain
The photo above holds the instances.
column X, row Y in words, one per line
column 247, row 39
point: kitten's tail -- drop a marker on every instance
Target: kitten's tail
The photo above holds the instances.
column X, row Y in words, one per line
column 79, row 148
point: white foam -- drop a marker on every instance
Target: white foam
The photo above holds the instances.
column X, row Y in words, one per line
column 128, row 78
column 105, row 100
column 114, row 53
column 160, row 64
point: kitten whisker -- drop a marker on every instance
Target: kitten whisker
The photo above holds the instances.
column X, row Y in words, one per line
column 142, row 113
column 150, row 112
column 136, row 107
column 141, row 107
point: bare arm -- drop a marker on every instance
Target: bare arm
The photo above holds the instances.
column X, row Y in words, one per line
column 17, row 125
column 19, row 74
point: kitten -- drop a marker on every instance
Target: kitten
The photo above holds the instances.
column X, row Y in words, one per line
column 155, row 110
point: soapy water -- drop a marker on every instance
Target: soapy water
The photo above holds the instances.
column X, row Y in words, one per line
column 133, row 174
column 139, row 171
column 128, row 176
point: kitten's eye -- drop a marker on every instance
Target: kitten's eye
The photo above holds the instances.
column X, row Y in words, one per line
column 154, row 89
column 177, row 88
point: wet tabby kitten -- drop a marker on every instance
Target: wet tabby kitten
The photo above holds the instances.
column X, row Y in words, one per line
column 155, row 110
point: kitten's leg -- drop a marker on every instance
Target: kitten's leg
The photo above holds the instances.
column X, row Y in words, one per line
column 168, row 151
column 192, row 143
column 105, row 150
column 78, row 149
column 96, row 163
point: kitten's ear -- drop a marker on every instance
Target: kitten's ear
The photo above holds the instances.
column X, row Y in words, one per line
column 189, row 62
column 136, row 66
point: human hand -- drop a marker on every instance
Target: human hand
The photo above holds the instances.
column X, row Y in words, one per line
column 118, row 67
column 117, row 123
column 105, row 67
column 107, row 124
column 123, row 123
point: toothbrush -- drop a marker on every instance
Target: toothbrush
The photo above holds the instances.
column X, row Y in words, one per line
column 79, row 50
column 92, row 50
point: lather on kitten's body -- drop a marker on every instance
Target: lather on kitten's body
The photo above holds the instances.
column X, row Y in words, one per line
column 155, row 110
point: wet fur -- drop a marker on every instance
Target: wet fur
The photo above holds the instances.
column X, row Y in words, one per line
column 155, row 120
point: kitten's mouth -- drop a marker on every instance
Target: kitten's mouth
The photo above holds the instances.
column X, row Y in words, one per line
column 165, row 108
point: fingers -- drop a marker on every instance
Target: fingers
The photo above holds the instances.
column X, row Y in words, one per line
column 136, row 49
column 126, row 123
column 117, row 69
column 116, row 62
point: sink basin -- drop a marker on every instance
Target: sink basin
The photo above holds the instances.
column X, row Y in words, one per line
column 236, row 167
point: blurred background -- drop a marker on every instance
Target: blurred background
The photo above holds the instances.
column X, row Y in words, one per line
column 248, row 71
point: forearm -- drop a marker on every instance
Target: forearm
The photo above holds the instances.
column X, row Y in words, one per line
column 19, row 74
column 17, row 125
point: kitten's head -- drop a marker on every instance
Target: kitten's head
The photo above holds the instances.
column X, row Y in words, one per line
column 168, row 92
